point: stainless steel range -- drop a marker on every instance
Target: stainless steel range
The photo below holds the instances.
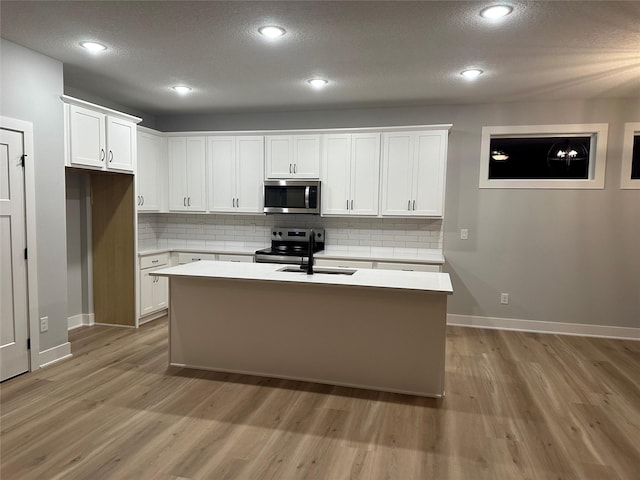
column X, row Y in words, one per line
column 290, row 246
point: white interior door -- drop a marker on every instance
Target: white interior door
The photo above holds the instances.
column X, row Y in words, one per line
column 14, row 354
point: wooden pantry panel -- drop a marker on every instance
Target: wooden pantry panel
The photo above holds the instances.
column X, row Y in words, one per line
column 113, row 214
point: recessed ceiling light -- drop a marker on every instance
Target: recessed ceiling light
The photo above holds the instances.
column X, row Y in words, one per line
column 271, row 31
column 471, row 73
column 496, row 11
column 93, row 47
column 181, row 89
column 318, row 82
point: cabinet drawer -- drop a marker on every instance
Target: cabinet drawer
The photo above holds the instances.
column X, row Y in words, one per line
column 346, row 263
column 194, row 257
column 235, row 258
column 411, row 267
column 157, row 260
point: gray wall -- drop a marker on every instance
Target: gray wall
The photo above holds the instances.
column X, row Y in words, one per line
column 78, row 247
column 31, row 87
column 562, row 255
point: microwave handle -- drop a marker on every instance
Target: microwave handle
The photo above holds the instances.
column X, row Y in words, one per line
column 306, row 196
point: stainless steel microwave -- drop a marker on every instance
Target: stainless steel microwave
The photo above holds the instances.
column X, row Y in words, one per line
column 292, row 196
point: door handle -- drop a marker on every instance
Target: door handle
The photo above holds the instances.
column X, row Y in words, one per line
column 184, row 201
column 414, row 204
column 351, row 204
column 295, row 168
column 347, row 204
column 110, row 156
column 188, row 201
column 102, row 154
column 306, row 196
column 290, row 171
column 142, row 199
column 409, row 205
column 237, row 202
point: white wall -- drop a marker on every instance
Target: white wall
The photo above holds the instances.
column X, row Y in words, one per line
column 562, row 255
column 31, row 87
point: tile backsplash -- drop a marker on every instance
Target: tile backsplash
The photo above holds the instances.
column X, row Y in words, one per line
column 173, row 230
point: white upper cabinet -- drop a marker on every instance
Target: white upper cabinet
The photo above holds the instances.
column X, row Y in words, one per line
column 413, row 173
column 98, row 138
column 187, row 180
column 350, row 174
column 236, row 172
column 293, row 156
column 151, row 172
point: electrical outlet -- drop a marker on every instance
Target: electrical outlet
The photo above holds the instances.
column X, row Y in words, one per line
column 44, row 324
column 464, row 234
column 504, row 298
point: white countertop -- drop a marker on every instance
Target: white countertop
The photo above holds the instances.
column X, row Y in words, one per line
column 372, row 254
column 425, row 281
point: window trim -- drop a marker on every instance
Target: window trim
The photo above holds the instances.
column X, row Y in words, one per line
column 626, row 182
column 597, row 161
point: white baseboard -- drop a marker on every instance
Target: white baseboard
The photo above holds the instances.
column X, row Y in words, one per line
column 604, row 331
column 55, row 354
column 81, row 320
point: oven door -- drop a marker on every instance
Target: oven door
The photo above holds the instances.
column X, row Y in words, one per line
column 292, row 196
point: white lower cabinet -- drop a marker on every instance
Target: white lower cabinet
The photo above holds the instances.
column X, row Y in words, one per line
column 343, row 263
column 154, row 291
column 409, row 267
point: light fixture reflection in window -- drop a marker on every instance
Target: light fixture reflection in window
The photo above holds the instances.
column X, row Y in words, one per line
column 564, row 152
column 499, row 155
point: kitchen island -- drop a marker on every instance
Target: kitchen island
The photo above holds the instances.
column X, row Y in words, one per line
column 377, row 329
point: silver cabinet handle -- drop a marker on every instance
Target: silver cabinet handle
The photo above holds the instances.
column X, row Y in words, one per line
column 237, row 202
column 102, row 154
column 155, row 261
column 409, row 205
column 184, row 201
column 414, row 204
column 295, row 168
column 138, row 200
column 110, row 156
column 142, row 199
column 347, row 204
column 290, row 171
column 351, row 204
column 188, row 201
column 233, row 202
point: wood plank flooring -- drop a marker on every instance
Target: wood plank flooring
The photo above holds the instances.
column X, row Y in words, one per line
column 517, row 406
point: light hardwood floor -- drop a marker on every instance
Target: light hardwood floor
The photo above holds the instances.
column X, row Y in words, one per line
column 517, row 406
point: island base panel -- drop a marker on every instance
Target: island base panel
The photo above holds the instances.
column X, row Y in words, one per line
column 382, row 339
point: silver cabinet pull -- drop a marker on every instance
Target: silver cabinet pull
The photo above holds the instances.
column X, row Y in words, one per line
column 351, row 204
column 142, row 199
column 290, row 170
column 414, row 204
column 184, row 201
column 188, row 201
column 155, row 261
column 295, row 168
column 347, row 204
column 138, row 200
column 102, row 154
column 409, row 205
column 110, row 156
column 237, row 202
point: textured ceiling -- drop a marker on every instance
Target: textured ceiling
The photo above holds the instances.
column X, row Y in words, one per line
column 374, row 53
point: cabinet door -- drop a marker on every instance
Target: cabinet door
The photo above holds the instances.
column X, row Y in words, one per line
column 146, row 292
column 221, row 153
column 121, row 144
column 279, row 152
column 196, row 174
column 87, row 143
column 397, row 168
column 428, row 174
column 160, row 293
column 365, row 174
column 249, row 174
column 306, row 154
column 177, row 153
column 148, row 178
column 336, row 174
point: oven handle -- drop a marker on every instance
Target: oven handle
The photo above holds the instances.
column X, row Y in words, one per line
column 306, row 196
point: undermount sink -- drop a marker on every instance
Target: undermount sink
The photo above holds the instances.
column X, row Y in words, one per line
column 323, row 270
